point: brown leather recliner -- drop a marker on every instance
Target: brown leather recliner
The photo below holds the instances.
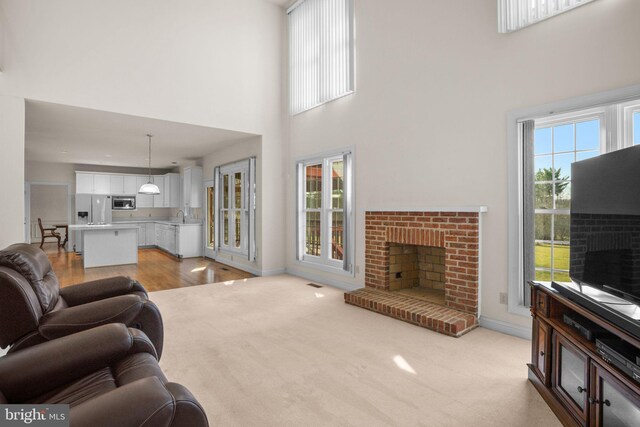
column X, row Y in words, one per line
column 109, row 376
column 34, row 309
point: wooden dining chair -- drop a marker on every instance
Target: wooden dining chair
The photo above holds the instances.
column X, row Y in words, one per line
column 47, row 232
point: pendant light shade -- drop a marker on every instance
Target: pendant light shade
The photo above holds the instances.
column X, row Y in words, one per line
column 149, row 188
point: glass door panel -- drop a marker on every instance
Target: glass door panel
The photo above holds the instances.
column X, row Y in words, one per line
column 615, row 404
column 570, row 376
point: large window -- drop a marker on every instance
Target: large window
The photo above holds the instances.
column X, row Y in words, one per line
column 320, row 52
column 516, row 14
column 549, row 144
column 235, row 219
column 556, row 144
column 324, row 211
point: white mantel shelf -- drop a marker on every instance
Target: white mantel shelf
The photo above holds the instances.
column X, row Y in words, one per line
column 479, row 209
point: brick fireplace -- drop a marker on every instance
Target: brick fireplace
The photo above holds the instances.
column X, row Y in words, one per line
column 423, row 267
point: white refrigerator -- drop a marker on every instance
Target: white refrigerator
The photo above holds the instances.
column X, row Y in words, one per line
column 91, row 209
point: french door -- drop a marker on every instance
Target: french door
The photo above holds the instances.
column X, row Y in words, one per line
column 209, row 234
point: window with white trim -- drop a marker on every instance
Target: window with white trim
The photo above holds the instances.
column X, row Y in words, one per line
column 631, row 114
column 325, row 220
column 235, row 220
column 557, row 143
column 549, row 145
column 321, row 52
column 516, row 14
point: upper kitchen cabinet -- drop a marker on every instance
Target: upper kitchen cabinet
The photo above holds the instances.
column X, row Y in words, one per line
column 117, row 184
column 123, row 185
column 101, row 184
column 158, row 199
column 84, row 183
column 130, row 186
column 92, row 183
column 172, row 190
column 192, row 187
column 143, row 200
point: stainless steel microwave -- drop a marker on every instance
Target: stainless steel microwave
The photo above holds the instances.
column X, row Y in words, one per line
column 123, row 203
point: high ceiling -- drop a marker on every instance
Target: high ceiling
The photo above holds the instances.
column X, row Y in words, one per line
column 63, row 134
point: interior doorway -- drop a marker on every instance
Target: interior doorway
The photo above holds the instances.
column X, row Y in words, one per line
column 49, row 201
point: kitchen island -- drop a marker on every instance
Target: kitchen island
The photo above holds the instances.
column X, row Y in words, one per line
column 108, row 244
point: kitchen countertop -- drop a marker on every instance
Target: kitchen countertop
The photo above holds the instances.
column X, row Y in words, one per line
column 158, row 221
column 87, row 227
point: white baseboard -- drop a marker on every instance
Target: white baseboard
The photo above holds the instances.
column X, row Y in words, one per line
column 323, row 280
column 505, row 328
column 275, row 272
column 249, row 269
column 239, row 266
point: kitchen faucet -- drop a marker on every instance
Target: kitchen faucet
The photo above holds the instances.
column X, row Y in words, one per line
column 183, row 218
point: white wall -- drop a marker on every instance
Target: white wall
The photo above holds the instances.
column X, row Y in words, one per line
column 214, row 63
column 434, row 83
column 11, row 170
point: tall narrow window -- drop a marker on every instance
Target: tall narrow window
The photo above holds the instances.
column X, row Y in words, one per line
column 556, row 145
column 321, row 45
column 324, row 216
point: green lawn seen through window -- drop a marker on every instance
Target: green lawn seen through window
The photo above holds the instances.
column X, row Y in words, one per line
column 560, row 261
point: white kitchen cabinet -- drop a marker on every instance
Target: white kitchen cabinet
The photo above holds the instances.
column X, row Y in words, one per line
column 84, row 183
column 143, row 200
column 189, row 241
column 158, row 199
column 192, row 187
column 150, row 232
column 172, row 190
column 166, row 237
column 101, row 184
column 142, row 235
column 130, row 185
column 117, row 184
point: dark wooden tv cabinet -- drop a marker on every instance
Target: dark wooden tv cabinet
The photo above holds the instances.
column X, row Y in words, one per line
column 581, row 388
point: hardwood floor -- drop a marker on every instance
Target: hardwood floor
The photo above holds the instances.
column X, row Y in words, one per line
column 156, row 270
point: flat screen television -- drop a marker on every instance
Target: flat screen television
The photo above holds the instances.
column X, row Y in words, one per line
column 605, row 237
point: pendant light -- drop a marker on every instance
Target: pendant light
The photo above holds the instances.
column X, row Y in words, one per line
column 149, row 187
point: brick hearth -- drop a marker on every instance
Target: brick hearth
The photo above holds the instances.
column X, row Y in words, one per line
column 457, row 233
column 422, row 313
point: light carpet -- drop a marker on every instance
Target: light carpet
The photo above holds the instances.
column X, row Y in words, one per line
column 275, row 352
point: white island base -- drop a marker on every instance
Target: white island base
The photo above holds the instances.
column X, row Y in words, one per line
column 109, row 245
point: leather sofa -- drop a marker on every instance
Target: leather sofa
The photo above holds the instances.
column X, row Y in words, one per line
column 109, row 376
column 34, row 309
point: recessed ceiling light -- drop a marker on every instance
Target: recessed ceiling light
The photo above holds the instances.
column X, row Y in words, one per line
column 63, row 152
column 174, row 163
column 107, row 155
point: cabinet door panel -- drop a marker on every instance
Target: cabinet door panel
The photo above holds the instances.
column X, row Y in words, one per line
column 143, row 200
column 117, row 184
column 615, row 404
column 130, row 184
column 151, row 238
column 158, row 199
column 541, row 349
column 141, row 236
column 101, row 184
column 84, row 183
column 570, row 376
